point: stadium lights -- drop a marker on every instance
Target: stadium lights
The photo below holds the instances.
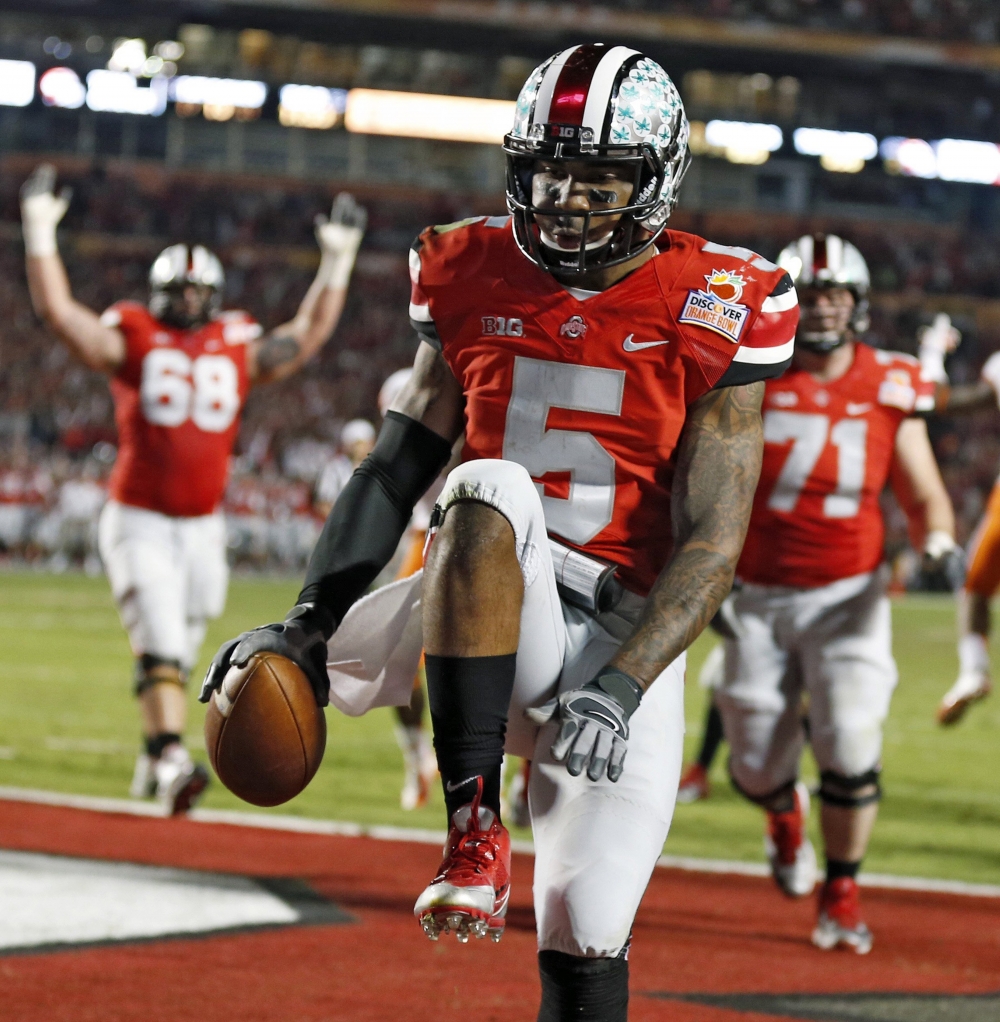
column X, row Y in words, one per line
column 219, row 99
column 118, row 92
column 744, row 141
column 61, row 86
column 419, row 115
column 844, row 152
column 128, row 55
column 949, row 159
column 311, row 106
column 17, row 82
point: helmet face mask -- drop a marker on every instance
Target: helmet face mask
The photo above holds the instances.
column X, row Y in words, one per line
column 826, row 262
column 186, row 286
column 608, row 107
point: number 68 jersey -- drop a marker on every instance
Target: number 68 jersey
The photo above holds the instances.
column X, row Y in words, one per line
column 828, row 451
column 590, row 391
column 178, row 397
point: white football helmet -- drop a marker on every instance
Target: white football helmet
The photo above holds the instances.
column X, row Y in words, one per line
column 177, row 266
column 391, row 388
column 601, row 104
column 826, row 260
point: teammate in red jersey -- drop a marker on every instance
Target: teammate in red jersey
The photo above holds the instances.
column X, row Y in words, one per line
column 180, row 371
column 608, row 376
column 812, row 617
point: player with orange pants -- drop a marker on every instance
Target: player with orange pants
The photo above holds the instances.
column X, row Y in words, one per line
column 180, row 371
column 983, row 573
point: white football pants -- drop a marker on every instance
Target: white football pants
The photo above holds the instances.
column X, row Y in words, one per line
column 832, row 644
column 168, row 577
column 596, row 843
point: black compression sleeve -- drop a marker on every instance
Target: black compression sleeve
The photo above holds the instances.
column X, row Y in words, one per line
column 372, row 512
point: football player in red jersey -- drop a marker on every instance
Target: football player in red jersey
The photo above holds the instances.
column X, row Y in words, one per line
column 608, row 375
column 180, row 371
column 812, row 617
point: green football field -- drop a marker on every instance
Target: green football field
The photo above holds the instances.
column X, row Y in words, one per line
column 68, row 723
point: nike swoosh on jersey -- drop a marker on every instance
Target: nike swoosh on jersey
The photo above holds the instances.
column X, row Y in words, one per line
column 858, row 409
column 630, row 345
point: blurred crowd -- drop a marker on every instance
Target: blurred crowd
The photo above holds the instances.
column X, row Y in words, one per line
column 57, row 432
column 972, row 20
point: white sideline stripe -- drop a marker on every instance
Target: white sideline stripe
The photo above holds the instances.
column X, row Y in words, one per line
column 415, row 835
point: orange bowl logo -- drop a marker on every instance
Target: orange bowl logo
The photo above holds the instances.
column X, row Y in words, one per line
column 726, row 286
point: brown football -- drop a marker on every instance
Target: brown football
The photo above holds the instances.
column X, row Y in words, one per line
column 264, row 733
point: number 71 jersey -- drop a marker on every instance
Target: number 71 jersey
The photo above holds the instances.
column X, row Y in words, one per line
column 828, row 452
column 178, row 397
column 590, row 392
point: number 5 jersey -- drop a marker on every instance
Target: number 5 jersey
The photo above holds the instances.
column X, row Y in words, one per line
column 828, row 452
column 177, row 398
column 589, row 390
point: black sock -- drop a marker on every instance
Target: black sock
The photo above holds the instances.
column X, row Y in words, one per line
column 836, row 868
column 469, row 698
column 156, row 744
column 712, row 737
column 582, row 989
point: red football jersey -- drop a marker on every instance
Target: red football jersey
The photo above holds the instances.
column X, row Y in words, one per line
column 828, row 450
column 178, row 397
column 590, row 394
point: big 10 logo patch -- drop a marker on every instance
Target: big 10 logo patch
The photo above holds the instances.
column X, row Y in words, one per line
column 501, row 326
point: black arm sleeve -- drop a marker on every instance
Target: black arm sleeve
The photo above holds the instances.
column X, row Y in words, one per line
column 371, row 514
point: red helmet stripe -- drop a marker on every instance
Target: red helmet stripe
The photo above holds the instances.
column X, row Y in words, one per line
column 569, row 98
column 819, row 254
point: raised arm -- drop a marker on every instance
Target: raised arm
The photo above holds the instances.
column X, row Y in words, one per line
column 718, row 466
column 365, row 526
column 288, row 347
column 98, row 346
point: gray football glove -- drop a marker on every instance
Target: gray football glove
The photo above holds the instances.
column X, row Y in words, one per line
column 593, row 730
column 301, row 637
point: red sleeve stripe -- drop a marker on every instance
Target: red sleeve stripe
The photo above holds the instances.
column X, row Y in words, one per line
column 780, row 303
column 766, row 356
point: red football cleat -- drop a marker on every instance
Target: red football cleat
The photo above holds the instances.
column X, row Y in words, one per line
column 789, row 851
column 470, row 893
column 839, row 923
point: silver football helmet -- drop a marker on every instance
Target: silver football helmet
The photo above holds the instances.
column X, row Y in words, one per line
column 601, row 104
column 178, row 266
column 826, row 260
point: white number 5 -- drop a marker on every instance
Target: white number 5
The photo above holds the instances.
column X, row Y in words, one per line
column 538, row 387
column 809, row 434
column 174, row 388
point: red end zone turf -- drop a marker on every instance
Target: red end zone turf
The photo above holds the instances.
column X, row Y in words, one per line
column 696, row 934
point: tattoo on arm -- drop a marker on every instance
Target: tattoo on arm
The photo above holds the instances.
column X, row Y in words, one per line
column 718, row 465
column 276, row 350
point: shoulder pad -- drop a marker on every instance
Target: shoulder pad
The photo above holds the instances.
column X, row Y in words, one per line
column 127, row 314
column 455, row 251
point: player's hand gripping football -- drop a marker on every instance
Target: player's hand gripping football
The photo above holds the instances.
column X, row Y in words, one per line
column 41, row 210
column 300, row 637
column 593, row 723
column 339, row 237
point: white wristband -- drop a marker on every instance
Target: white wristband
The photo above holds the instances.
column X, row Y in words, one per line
column 39, row 236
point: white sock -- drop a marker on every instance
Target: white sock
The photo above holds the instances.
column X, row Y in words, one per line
column 973, row 653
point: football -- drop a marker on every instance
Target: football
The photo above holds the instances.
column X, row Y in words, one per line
column 264, row 733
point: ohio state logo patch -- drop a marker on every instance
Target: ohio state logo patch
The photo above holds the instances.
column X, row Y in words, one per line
column 717, row 306
column 573, row 328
